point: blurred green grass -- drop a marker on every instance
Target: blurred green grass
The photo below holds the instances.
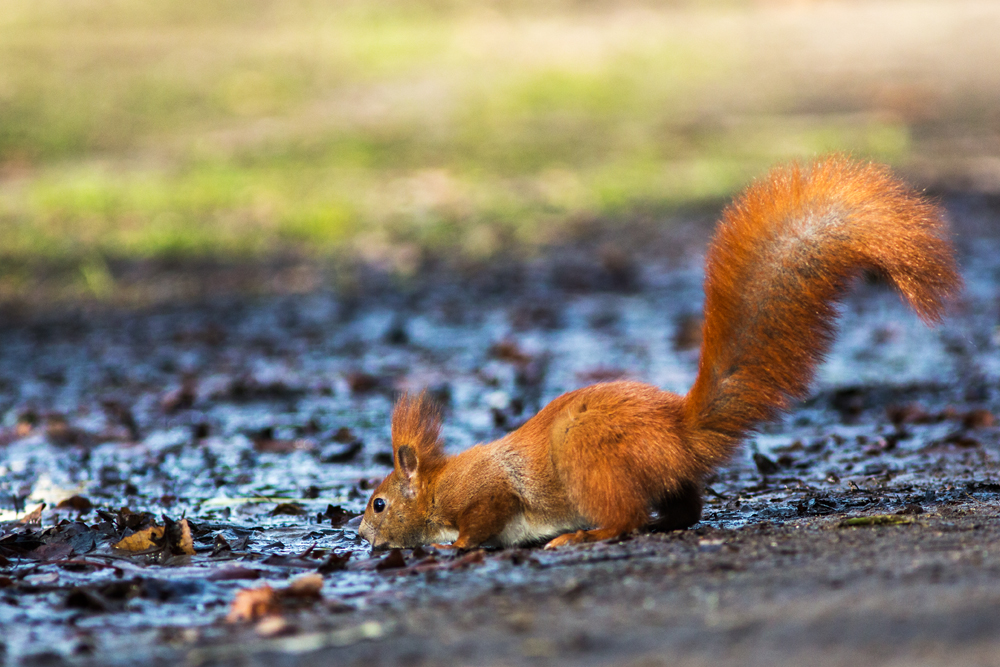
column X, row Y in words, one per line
column 137, row 129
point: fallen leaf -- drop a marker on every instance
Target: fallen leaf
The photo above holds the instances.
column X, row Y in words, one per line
column 307, row 586
column 508, row 350
column 362, row 383
column 392, row 561
column 344, row 435
column 978, row 418
column 19, row 543
column 252, row 604
column 471, row 558
column 334, row 563
column 234, row 573
column 173, row 535
column 291, row 509
column 87, row 599
column 910, row 413
column 126, row 518
column 342, row 454
column 337, row 515
column 34, row 516
column 182, row 542
column 75, row 504
column 52, row 552
column 220, row 546
column 278, row 560
column 144, row 540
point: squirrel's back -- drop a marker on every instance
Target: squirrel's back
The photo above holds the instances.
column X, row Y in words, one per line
column 783, row 255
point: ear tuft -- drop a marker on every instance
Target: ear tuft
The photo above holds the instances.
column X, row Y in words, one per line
column 416, row 425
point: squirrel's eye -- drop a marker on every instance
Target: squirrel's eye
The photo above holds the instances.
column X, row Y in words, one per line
column 378, row 505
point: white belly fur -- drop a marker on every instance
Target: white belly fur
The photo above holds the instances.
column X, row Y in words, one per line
column 445, row 536
column 521, row 530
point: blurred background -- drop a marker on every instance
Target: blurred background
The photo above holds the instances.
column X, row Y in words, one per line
column 140, row 135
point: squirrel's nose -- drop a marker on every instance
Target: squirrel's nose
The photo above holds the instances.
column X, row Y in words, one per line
column 365, row 530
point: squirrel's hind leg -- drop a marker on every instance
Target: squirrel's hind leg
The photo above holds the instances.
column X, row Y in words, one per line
column 680, row 509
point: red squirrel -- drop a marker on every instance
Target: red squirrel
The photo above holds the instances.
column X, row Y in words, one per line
column 598, row 462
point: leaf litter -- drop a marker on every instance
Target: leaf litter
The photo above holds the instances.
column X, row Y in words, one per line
column 180, row 481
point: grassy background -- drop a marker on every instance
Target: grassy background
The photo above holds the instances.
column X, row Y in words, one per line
column 138, row 129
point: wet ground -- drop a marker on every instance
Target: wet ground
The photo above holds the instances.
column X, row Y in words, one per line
column 235, row 437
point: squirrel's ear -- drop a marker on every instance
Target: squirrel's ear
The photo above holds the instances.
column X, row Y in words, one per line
column 416, row 423
column 406, row 464
column 406, row 461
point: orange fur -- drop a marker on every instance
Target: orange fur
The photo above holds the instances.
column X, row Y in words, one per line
column 598, row 462
column 416, row 422
column 784, row 254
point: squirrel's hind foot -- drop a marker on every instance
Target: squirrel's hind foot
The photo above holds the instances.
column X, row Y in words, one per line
column 581, row 536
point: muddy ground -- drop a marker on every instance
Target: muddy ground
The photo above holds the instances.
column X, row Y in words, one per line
column 240, row 433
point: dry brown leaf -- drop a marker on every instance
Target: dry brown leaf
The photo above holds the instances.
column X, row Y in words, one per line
column 306, row 586
column 144, row 540
column 978, row 418
column 508, row 350
column 76, row 504
column 472, row 558
column 252, row 604
column 334, row 562
column 34, row 516
column 184, row 543
column 392, row 561
column 291, row 509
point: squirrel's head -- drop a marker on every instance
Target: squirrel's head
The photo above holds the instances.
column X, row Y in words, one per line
column 399, row 512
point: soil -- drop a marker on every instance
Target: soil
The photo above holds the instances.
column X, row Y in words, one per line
column 230, row 441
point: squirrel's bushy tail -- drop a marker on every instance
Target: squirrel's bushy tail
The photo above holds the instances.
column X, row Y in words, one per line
column 783, row 255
